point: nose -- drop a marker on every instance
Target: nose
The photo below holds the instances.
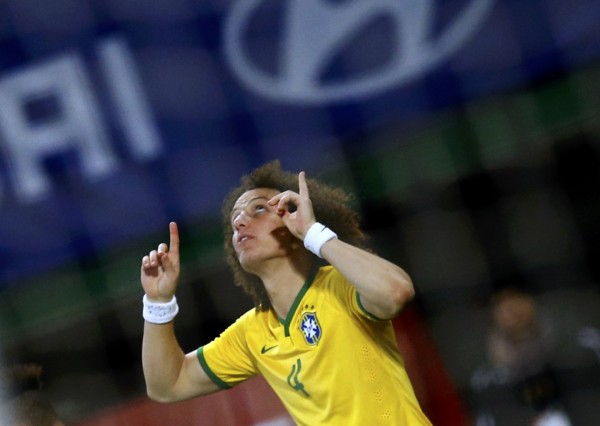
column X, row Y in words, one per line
column 240, row 220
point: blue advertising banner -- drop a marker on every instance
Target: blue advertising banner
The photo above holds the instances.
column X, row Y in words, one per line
column 118, row 116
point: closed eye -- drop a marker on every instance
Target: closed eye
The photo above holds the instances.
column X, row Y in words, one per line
column 253, row 207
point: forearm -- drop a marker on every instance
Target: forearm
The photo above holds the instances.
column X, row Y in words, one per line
column 162, row 360
column 170, row 374
column 384, row 287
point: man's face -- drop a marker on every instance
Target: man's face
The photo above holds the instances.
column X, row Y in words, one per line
column 258, row 231
column 516, row 313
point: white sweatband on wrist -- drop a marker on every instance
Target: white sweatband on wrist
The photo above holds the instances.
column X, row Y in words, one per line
column 317, row 235
column 159, row 313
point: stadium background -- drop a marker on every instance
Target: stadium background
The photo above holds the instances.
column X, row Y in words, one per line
column 468, row 129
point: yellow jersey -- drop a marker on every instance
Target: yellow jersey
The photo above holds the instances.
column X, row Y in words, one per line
column 330, row 362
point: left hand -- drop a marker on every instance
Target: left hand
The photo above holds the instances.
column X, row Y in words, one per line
column 303, row 217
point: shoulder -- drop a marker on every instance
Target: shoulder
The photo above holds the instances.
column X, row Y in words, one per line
column 331, row 283
column 250, row 316
column 327, row 273
column 329, row 276
column 246, row 325
column 334, row 284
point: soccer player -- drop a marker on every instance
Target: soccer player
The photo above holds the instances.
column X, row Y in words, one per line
column 320, row 332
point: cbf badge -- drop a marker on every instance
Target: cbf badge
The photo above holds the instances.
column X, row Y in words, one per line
column 309, row 325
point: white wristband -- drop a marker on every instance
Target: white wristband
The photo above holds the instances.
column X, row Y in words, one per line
column 317, row 235
column 159, row 313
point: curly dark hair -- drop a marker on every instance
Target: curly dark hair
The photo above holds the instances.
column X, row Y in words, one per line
column 331, row 206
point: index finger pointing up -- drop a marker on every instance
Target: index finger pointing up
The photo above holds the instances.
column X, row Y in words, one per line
column 174, row 239
column 302, row 186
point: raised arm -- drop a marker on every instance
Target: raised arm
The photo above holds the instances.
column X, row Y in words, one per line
column 170, row 374
column 384, row 288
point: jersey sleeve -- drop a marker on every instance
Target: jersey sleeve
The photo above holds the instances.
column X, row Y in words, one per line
column 226, row 359
column 347, row 294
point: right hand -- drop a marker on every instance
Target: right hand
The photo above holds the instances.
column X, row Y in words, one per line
column 299, row 221
column 160, row 269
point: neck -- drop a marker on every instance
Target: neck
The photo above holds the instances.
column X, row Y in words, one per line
column 284, row 280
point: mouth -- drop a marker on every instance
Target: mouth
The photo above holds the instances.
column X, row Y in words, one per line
column 243, row 238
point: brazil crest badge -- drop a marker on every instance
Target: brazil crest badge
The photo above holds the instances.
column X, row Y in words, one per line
column 310, row 327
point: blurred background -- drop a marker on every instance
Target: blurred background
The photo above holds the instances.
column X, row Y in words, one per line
column 469, row 131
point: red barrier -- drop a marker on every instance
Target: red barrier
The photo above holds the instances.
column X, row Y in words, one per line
column 437, row 395
column 247, row 404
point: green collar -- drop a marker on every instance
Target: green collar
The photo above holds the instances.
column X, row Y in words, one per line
column 309, row 280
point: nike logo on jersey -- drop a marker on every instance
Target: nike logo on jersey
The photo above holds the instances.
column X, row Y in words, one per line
column 266, row 349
